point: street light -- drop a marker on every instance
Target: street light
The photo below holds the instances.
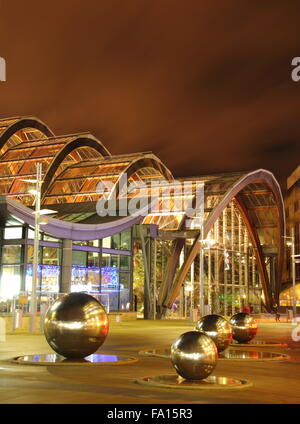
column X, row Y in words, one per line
column 292, row 244
column 37, row 222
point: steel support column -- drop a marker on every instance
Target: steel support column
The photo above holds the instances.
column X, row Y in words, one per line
column 66, row 269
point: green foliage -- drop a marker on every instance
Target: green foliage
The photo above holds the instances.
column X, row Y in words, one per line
column 138, row 276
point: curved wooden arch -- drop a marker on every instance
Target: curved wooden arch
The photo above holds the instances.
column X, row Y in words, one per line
column 136, row 165
column 148, row 161
column 23, row 123
column 257, row 249
column 259, row 176
column 81, row 141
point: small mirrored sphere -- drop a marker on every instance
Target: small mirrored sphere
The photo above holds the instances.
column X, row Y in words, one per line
column 217, row 328
column 244, row 327
column 194, row 355
column 76, row 325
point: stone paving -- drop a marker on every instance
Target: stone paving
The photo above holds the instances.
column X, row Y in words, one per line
column 273, row 382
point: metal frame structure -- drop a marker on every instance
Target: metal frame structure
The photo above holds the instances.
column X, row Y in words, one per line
column 73, row 165
column 14, row 131
column 235, row 189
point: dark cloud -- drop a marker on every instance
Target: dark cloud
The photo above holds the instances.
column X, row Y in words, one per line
column 204, row 84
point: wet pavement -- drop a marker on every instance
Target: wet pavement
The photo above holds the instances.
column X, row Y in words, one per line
column 273, row 381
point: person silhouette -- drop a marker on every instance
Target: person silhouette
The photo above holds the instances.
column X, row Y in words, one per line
column 247, row 309
column 277, row 314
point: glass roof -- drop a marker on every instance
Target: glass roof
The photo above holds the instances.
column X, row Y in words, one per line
column 78, row 182
column 25, row 129
column 20, row 162
column 76, row 173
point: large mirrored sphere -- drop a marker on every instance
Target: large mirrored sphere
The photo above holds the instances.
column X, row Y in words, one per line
column 218, row 328
column 194, row 355
column 76, row 325
column 244, row 327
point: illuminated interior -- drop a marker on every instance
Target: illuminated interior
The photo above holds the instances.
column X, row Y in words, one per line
column 242, row 217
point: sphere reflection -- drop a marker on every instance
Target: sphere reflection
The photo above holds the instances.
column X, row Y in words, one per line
column 244, row 327
column 218, row 328
column 76, row 325
column 194, row 355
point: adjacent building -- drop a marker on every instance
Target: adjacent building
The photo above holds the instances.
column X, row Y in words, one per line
column 292, row 213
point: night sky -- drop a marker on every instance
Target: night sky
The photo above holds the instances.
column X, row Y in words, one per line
column 206, row 85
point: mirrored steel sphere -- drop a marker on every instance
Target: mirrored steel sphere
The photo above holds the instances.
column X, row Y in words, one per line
column 218, row 328
column 76, row 325
column 194, row 355
column 244, row 327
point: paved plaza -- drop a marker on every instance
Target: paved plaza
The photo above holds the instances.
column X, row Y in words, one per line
column 273, row 381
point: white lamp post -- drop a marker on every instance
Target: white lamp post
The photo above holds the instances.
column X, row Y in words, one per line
column 37, row 222
column 33, row 298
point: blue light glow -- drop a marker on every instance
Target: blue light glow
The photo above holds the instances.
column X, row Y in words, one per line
column 109, row 278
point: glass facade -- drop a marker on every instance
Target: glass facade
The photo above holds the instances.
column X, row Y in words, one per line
column 11, row 264
column 99, row 267
column 231, row 277
column 116, row 280
column 72, row 168
column 10, row 281
column 121, row 241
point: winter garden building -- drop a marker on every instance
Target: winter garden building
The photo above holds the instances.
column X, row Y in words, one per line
column 161, row 263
